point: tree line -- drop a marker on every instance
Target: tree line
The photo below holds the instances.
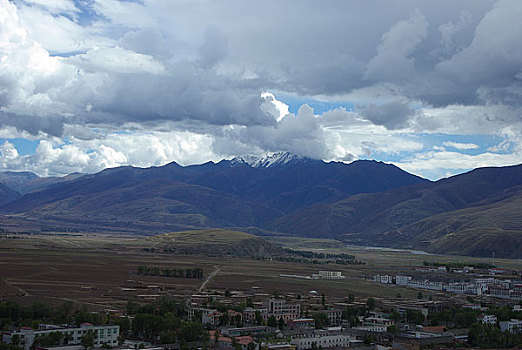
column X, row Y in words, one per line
column 196, row 272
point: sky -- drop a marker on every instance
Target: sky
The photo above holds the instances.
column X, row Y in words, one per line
column 434, row 87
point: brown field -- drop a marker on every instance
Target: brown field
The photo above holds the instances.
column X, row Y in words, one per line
column 92, row 270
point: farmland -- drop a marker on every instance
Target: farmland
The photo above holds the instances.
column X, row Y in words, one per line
column 100, row 271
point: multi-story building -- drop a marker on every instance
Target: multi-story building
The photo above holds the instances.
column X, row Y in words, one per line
column 324, row 339
column 512, row 326
column 70, row 336
column 516, row 292
column 280, row 309
column 488, row 319
column 498, row 291
column 335, row 317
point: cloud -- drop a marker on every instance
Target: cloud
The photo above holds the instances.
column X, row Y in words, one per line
column 394, row 61
column 56, row 157
column 392, row 115
column 213, row 70
column 437, row 164
column 460, row 146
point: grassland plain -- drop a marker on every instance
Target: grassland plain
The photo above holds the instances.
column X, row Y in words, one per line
column 100, row 271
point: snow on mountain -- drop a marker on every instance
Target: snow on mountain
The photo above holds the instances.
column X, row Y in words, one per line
column 268, row 160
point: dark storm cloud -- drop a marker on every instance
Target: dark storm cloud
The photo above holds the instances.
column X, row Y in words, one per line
column 208, row 62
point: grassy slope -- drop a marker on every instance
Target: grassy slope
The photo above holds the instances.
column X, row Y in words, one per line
column 213, row 241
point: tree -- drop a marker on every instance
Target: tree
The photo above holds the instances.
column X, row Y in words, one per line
column 420, row 295
column 323, row 300
column 393, row 329
column 249, row 302
column 87, row 340
column 351, row 298
column 321, row 319
column 238, row 320
column 395, row 316
column 370, row 303
column 228, row 293
column 281, row 323
column 368, row 339
column 272, row 321
column 414, row 316
column 259, row 318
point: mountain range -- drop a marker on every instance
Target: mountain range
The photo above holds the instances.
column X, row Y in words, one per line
column 363, row 202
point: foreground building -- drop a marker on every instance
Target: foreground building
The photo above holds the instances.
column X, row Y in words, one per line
column 26, row 336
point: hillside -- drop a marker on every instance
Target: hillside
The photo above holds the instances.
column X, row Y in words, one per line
column 484, row 200
column 25, row 182
column 213, row 242
column 7, row 194
column 492, row 226
column 144, row 207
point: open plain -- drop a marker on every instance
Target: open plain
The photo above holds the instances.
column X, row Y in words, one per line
column 101, row 271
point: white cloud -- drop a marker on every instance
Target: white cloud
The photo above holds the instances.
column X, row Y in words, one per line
column 196, row 71
column 436, row 164
column 460, row 146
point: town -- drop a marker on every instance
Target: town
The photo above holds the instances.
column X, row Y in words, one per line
column 466, row 280
column 252, row 319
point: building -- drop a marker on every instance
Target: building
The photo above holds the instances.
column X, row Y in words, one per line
column 488, row 319
column 402, row 280
column 235, row 332
column 277, row 346
column 280, row 309
column 331, row 275
column 384, row 279
column 375, row 324
column 335, row 317
column 512, row 326
column 325, row 339
column 301, row 323
column 498, row 291
column 70, row 336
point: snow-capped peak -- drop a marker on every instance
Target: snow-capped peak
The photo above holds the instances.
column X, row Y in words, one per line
column 268, row 159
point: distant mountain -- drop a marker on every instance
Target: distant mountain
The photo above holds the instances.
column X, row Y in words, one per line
column 242, row 192
column 25, row 181
column 432, row 216
column 7, row 194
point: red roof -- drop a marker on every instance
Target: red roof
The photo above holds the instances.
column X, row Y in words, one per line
column 434, row 329
column 245, row 340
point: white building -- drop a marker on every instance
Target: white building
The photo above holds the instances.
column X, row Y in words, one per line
column 324, row 339
column 71, row 336
column 488, row 319
column 402, row 280
column 331, row 275
column 512, row 326
column 384, row 279
column 427, row 284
